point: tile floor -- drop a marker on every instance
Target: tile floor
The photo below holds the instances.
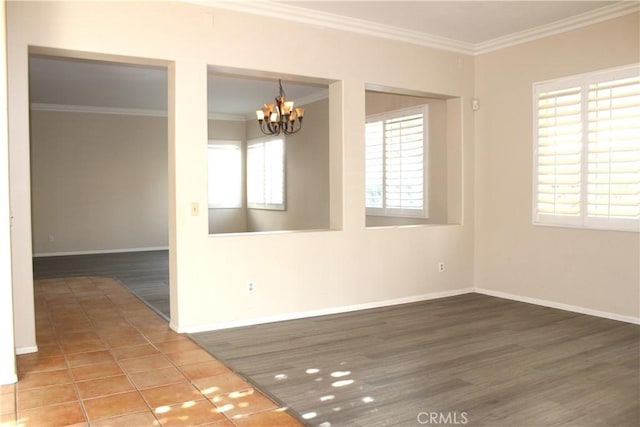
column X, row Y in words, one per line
column 106, row 359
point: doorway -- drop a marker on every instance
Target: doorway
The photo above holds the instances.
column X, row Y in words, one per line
column 99, row 172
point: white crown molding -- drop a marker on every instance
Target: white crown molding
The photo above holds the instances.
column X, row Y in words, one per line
column 97, row 110
column 337, row 22
column 329, row 20
column 314, row 97
column 227, row 117
column 583, row 20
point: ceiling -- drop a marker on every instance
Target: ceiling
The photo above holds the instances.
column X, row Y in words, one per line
column 462, row 24
column 472, row 22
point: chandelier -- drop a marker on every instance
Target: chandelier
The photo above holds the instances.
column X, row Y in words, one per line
column 280, row 116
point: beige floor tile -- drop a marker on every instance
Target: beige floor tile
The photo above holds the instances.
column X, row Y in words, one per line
column 45, row 396
column 242, row 403
column 113, row 405
column 156, row 377
column 7, row 403
column 65, row 414
column 89, row 358
column 197, row 371
column 98, row 370
column 83, row 346
column 277, row 417
column 171, row 394
column 145, row 363
column 124, row 340
column 179, row 344
column 140, row 419
column 135, row 351
column 36, row 363
column 29, row 380
column 190, row 356
column 221, row 384
column 104, row 387
column 188, row 414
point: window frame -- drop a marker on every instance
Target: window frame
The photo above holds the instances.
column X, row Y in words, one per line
column 385, row 211
column 582, row 220
column 267, row 205
column 236, row 144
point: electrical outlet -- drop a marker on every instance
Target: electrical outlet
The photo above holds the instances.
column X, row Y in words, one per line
column 440, row 267
column 51, row 238
column 250, row 286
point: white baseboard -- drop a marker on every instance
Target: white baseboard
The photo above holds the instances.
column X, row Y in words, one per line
column 561, row 306
column 10, row 379
column 100, row 251
column 26, row 350
column 319, row 312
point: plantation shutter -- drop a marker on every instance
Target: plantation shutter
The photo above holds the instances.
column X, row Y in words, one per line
column 395, row 168
column 404, row 153
column 225, row 174
column 559, row 152
column 587, row 150
column 374, row 164
column 614, row 149
column 265, row 174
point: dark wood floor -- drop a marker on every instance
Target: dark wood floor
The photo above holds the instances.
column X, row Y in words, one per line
column 474, row 358
column 146, row 274
column 471, row 359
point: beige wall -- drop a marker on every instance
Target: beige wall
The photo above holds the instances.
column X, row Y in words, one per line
column 307, row 176
column 298, row 272
column 592, row 269
column 98, row 182
column 376, row 103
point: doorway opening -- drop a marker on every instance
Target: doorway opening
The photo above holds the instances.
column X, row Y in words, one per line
column 99, row 172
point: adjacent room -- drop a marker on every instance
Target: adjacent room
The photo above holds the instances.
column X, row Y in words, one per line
column 274, row 213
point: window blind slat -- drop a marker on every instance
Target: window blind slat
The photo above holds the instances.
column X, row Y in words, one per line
column 588, row 149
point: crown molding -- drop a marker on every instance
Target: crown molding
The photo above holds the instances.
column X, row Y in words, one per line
column 97, row 110
column 227, row 117
column 564, row 25
column 329, row 20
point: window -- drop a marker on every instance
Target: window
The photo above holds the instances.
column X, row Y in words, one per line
column 266, row 174
column 225, row 174
column 395, row 166
column 587, row 151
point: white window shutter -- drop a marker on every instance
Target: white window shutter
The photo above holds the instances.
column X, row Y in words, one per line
column 587, row 150
column 614, row 149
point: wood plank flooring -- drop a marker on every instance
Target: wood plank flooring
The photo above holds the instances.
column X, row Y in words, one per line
column 484, row 360
column 146, row 274
column 473, row 358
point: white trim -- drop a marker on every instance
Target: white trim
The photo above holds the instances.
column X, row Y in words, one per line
column 564, row 25
column 560, row 306
column 319, row 312
column 26, row 350
column 337, row 22
column 11, row 379
column 100, row 251
column 228, row 117
column 97, row 110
